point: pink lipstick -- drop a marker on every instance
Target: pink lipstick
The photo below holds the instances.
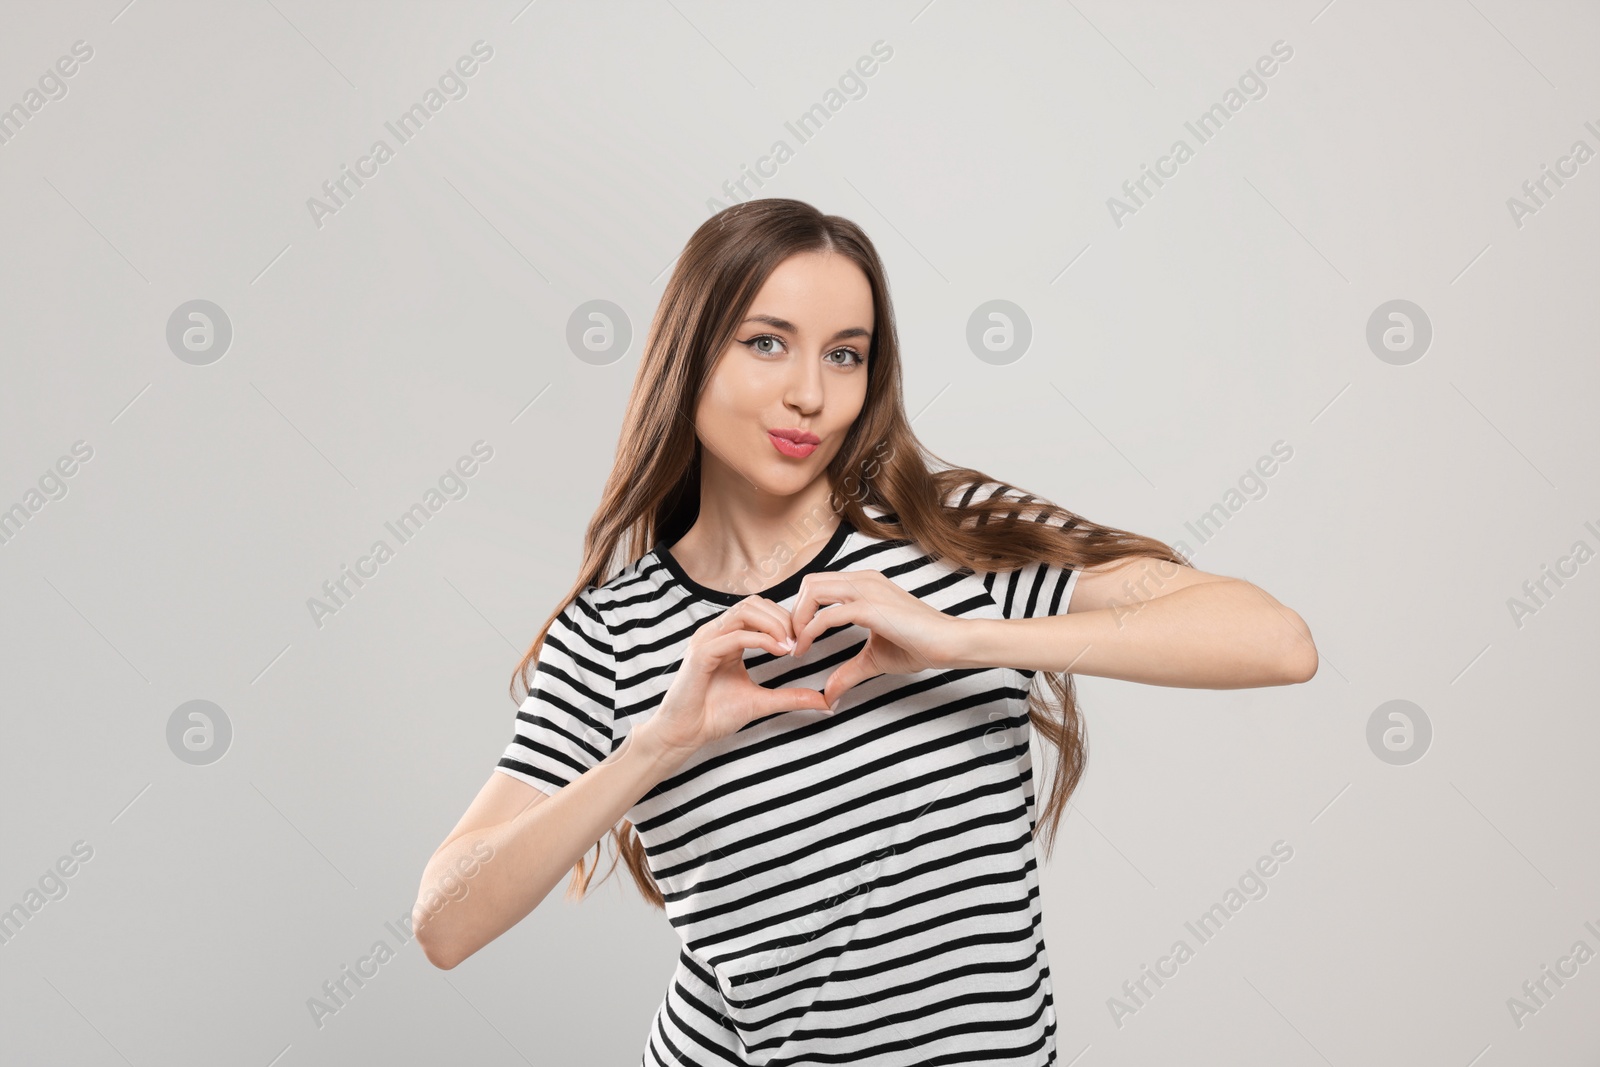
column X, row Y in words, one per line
column 796, row 443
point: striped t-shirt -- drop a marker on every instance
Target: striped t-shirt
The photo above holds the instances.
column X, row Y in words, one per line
column 858, row 888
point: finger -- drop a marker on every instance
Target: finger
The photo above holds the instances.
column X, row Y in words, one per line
column 826, row 618
column 771, row 700
column 817, row 591
column 850, row 673
column 779, row 616
column 805, row 601
column 754, row 614
column 887, row 598
column 727, row 647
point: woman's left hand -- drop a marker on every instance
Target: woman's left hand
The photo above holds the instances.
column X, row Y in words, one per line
column 904, row 634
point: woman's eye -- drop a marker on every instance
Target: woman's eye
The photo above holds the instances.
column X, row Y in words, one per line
column 852, row 357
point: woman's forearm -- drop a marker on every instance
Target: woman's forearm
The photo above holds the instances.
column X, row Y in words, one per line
column 483, row 882
column 1219, row 635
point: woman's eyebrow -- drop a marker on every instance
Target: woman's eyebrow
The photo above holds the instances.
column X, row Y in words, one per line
column 785, row 324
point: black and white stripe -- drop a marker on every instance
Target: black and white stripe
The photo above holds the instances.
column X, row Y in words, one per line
column 860, row 888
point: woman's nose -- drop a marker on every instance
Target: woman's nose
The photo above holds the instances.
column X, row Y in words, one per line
column 805, row 383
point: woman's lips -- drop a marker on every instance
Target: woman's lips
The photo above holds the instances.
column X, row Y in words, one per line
column 791, row 448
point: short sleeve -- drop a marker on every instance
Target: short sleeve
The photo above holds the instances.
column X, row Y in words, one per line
column 564, row 727
column 1037, row 589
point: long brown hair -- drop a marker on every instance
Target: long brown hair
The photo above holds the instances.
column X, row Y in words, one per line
column 653, row 493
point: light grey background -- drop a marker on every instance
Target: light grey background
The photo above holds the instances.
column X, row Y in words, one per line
column 1168, row 355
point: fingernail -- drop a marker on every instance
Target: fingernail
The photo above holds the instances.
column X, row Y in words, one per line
column 834, row 706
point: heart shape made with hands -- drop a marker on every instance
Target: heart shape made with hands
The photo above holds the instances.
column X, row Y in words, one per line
column 904, row 634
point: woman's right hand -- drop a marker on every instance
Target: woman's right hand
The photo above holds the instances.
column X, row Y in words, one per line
column 712, row 695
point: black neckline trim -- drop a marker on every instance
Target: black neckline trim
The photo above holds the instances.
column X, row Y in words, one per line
column 782, row 591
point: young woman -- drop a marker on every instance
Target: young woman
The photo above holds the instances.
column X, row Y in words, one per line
column 798, row 665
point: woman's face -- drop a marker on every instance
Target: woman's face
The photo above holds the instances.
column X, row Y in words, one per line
column 797, row 365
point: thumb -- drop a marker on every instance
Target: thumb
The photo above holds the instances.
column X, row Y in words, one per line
column 798, row 699
column 849, row 674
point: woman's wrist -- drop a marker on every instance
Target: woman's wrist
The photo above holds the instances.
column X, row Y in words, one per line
column 647, row 748
column 973, row 643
